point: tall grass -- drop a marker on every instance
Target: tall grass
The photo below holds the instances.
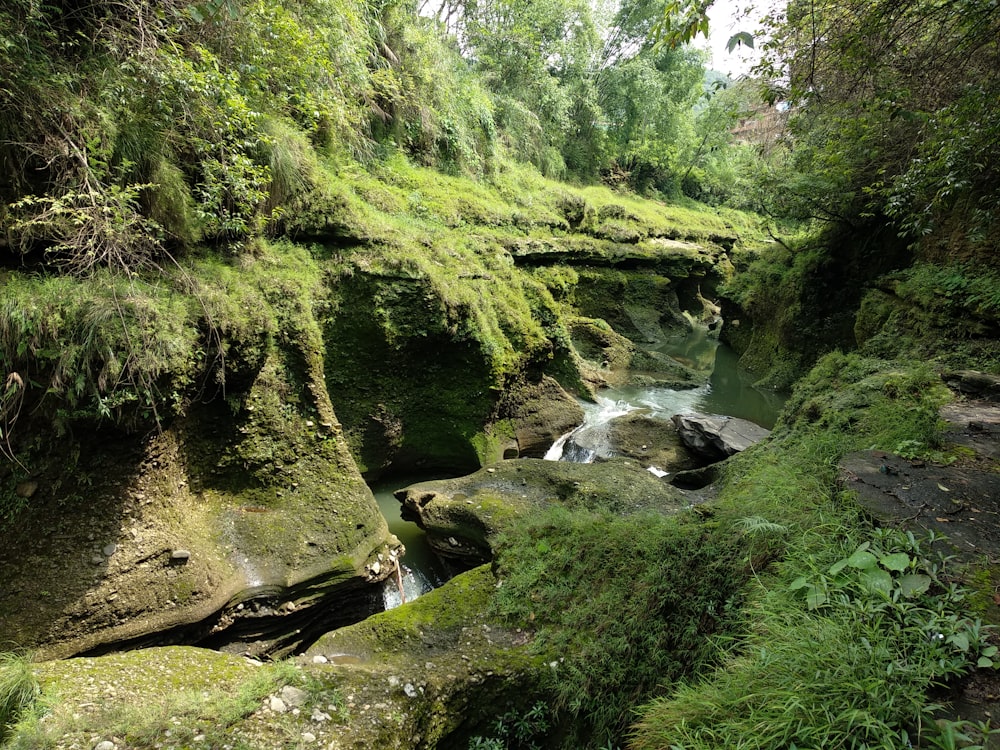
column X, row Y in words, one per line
column 19, row 690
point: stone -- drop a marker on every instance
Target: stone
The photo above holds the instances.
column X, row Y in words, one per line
column 410, row 690
column 277, row 705
column 105, row 745
column 974, row 383
column 26, row 489
column 308, row 737
column 293, row 696
column 320, row 659
column 716, row 437
column 110, row 549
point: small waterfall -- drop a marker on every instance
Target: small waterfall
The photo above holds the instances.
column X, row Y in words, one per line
column 589, row 440
column 414, row 584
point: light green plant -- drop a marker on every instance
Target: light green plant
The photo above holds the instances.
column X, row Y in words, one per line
column 19, row 690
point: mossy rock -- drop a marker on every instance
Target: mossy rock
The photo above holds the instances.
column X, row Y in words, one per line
column 652, row 442
column 462, row 515
column 256, row 500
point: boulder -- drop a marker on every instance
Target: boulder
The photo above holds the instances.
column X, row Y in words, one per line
column 716, row 437
column 543, row 412
column 462, row 515
column 652, row 442
column 974, row 383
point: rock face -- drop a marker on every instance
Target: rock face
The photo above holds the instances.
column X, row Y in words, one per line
column 461, row 515
column 243, row 522
column 716, row 437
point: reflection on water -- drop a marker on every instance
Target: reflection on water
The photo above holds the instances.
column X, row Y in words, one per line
column 730, row 389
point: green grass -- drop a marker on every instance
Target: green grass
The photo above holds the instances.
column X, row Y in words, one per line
column 19, row 690
column 836, row 655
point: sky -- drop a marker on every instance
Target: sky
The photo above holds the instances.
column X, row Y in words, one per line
column 727, row 17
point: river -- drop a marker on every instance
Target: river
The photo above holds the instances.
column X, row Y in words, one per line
column 729, row 391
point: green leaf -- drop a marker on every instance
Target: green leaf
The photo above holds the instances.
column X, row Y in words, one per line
column 815, row 598
column 799, row 583
column 741, row 38
column 959, row 641
column 984, row 662
column 838, row 566
column 877, row 579
column 862, row 559
column 897, row 561
column 914, row 584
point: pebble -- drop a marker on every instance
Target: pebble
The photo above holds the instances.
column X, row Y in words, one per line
column 308, row 737
column 411, row 692
column 277, row 705
column 110, row 549
column 320, row 659
column 105, row 745
column 180, row 554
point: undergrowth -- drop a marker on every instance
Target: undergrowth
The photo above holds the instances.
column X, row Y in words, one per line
column 19, row 690
column 620, row 606
column 853, row 627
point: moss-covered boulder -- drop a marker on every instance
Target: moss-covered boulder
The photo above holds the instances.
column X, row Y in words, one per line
column 652, row 442
column 462, row 515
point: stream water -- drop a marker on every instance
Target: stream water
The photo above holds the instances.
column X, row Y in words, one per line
column 421, row 570
column 729, row 391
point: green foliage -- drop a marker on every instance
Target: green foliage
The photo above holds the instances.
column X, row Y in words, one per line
column 516, row 729
column 843, row 641
column 894, row 112
column 19, row 691
column 186, row 717
column 620, row 605
column 846, row 663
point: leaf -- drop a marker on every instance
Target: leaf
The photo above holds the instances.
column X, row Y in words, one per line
column 838, row 566
column 959, row 641
column 798, row 583
column 815, row 598
column 741, row 38
column 984, row 662
column 877, row 580
column 943, row 488
column 898, row 561
column 914, row 584
column 862, row 559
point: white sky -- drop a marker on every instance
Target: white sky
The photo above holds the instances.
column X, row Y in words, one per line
column 727, row 17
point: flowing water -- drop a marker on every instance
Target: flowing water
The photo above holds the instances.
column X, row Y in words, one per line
column 420, row 569
column 729, row 391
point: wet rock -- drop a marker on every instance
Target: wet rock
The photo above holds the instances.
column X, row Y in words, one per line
column 716, row 437
column 651, row 442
